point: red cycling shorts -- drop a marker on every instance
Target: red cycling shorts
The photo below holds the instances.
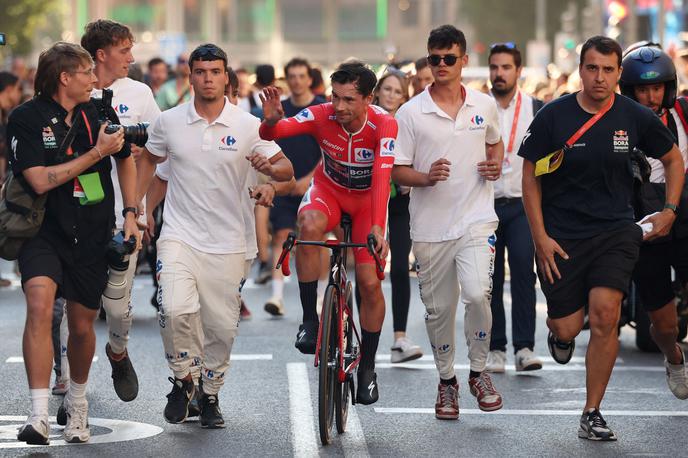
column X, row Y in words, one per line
column 333, row 202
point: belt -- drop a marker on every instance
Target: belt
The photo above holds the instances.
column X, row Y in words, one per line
column 506, row 200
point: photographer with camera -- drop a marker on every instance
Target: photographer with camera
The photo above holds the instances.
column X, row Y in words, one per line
column 110, row 44
column 58, row 148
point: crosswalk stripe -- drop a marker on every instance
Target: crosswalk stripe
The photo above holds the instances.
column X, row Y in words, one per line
column 20, row 359
column 252, row 357
column 510, row 367
column 301, row 411
column 353, row 441
column 539, row 412
column 575, row 359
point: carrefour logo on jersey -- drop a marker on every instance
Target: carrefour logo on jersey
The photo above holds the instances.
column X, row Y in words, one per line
column 304, row 115
column 364, row 155
column 227, row 143
column 387, row 147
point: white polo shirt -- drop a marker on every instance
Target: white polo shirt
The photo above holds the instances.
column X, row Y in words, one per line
column 133, row 102
column 206, row 191
column 657, row 174
column 509, row 185
column 426, row 133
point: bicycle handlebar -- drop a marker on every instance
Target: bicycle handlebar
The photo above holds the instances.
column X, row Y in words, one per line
column 283, row 261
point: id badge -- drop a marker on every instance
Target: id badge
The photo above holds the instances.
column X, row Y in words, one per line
column 550, row 163
column 92, row 188
column 78, row 190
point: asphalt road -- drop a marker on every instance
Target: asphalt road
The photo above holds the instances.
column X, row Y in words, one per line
column 270, row 398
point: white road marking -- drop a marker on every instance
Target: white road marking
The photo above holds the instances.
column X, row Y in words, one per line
column 20, row 359
column 546, row 358
column 353, row 440
column 521, row 412
column 252, row 357
column 301, row 411
column 510, row 367
column 120, row 431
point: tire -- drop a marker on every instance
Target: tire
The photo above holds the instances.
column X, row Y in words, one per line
column 343, row 390
column 327, row 374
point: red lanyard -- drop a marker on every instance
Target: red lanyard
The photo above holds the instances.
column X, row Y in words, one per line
column 514, row 124
column 584, row 128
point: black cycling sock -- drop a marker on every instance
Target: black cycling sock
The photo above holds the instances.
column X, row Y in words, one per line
column 473, row 374
column 452, row 381
column 309, row 300
column 369, row 341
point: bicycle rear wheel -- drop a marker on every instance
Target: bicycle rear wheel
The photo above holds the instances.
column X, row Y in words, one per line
column 328, row 365
column 343, row 390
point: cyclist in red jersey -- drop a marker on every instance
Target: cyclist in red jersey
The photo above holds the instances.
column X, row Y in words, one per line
column 357, row 143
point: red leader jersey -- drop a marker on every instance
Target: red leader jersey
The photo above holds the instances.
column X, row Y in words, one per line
column 359, row 162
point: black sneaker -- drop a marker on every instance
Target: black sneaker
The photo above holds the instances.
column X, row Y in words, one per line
column 264, row 273
column 561, row 351
column 367, row 387
column 211, row 415
column 195, row 403
column 61, row 417
column 307, row 337
column 593, row 427
column 124, row 377
column 177, row 408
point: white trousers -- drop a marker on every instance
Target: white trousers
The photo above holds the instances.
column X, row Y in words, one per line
column 194, row 284
column 119, row 312
column 449, row 270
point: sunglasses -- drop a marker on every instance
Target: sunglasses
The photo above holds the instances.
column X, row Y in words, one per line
column 449, row 59
column 210, row 51
column 506, row 44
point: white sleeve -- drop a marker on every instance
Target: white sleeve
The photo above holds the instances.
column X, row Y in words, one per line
column 157, row 138
column 493, row 133
column 264, row 147
column 162, row 170
column 151, row 111
column 404, row 149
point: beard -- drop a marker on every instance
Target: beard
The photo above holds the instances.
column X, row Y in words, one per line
column 502, row 90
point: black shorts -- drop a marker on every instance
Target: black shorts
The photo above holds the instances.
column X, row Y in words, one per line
column 653, row 272
column 82, row 284
column 607, row 260
column 283, row 214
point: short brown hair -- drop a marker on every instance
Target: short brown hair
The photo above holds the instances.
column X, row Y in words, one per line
column 60, row 57
column 103, row 33
column 603, row 45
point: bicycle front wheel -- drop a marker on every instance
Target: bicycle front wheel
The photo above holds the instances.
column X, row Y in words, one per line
column 343, row 390
column 328, row 364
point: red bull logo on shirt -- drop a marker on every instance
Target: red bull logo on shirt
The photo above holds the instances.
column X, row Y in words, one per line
column 620, row 139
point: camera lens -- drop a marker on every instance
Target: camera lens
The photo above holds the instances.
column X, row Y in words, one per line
column 136, row 133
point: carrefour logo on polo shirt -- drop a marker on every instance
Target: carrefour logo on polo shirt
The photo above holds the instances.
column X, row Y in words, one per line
column 364, row 155
column 305, row 115
column 121, row 108
column 227, row 143
column 387, row 147
column 477, row 123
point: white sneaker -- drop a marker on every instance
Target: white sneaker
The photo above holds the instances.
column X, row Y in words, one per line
column 76, row 430
column 677, row 378
column 525, row 360
column 275, row 306
column 36, row 430
column 496, row 360
column 405, row 350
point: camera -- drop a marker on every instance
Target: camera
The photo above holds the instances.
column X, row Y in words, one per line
column 3, row 39
column 118, row 253
column 135, row 133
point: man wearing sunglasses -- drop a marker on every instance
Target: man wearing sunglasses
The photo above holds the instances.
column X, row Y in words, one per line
column 516, row 110
column 210, row 145
column 580, row 213
column 449, row 150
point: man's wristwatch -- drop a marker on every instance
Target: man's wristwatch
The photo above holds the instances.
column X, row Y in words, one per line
column 127, row 210
column 671, row 207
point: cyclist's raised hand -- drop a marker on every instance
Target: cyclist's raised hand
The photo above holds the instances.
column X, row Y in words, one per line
column 272, row 105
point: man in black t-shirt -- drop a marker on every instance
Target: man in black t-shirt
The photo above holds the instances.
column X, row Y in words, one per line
column 304, row 153
column 67, row 257
column 580, row 214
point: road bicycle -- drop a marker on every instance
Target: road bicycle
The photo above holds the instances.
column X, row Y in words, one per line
column 337, row 352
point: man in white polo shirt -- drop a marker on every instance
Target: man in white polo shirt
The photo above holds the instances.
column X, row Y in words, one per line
column 210, row 145
column 110, row 44
column 516, row 110
column 448, row 149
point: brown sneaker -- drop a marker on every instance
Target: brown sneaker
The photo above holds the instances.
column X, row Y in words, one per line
column 447, row 404
column 488, row 398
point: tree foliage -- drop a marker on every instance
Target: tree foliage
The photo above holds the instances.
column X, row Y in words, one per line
column 20, row 19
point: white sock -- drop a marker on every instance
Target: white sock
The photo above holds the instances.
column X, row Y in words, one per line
column 278, row 288
column 322, row 286
column 77, row 391
column 39, row 402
